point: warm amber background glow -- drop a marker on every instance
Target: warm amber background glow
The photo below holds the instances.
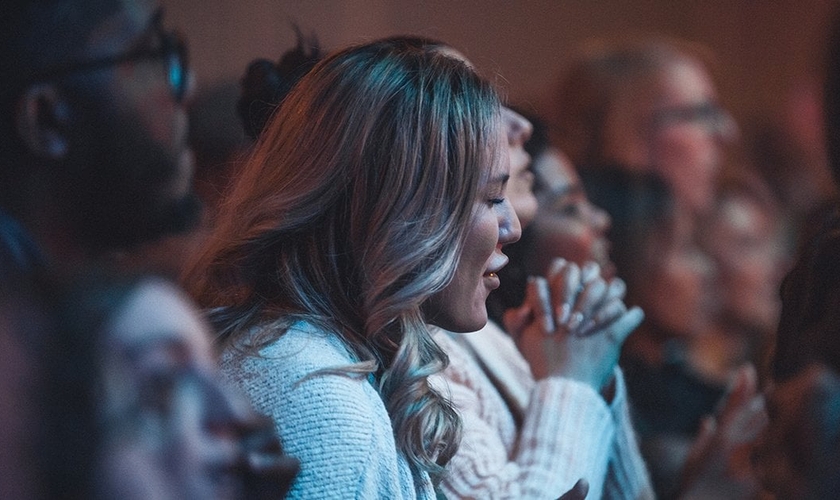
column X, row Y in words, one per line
column 768, row 50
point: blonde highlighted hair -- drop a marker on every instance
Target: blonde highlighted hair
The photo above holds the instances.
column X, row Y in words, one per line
column 351, row 212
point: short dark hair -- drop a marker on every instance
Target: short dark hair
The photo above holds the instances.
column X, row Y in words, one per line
column 36, row 35
column 265, row 84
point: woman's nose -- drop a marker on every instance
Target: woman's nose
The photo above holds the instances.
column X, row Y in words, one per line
column 510, row 229
column 228, row 412
column 599, row 219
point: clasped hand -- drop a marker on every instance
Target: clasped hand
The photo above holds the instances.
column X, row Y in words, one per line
column 573, row 323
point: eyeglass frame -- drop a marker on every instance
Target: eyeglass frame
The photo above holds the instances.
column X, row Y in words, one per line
column 173, row 51
column 709, row 113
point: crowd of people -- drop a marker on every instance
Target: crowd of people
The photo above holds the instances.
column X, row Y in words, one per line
column 396, row 284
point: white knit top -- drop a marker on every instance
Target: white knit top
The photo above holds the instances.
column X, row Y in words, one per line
column 526, row 439
column 335, row 424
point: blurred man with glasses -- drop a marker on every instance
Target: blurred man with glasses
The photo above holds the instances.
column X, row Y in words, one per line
column 94, row 161
column 95, row 155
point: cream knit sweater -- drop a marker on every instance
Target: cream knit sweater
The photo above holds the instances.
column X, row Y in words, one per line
column 526, row 439
column 336, row 425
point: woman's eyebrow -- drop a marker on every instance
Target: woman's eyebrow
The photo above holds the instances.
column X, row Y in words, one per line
column 501, row 179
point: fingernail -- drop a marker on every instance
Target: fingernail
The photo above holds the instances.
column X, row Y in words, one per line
column 563, row 313
column 556, row 266
column 590, row 271
column 545, row 298
column 576, row 320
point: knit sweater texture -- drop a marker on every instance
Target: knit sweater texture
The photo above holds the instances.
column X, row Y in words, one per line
column 528, row 439
column 336, row 424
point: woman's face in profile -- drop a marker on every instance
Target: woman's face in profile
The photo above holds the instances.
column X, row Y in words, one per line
column 520, row 188
column 171, row 419
column 460, row 307
column 566, row 225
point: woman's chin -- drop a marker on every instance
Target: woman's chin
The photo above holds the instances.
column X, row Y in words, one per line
column 465, row 324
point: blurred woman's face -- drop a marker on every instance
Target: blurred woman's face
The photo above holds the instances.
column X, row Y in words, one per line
column 566, row 225
column 677, row 286
column 176, row 423
column 746, row 244
column 520, row 187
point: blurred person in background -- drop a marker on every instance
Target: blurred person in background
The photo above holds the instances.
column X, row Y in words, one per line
column 96, row 159
column 534, row 397
column 95, row 164
column 225, row 121
column 642, row 122
column 809, row 316
column 655, row 247
column 745, row 235
column 797, row 454
column 168, row 428
column 645, row 105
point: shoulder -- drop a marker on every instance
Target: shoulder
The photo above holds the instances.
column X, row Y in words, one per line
column 294, row 355
column 302, row 360
column 331, row 418
column 19, row 256
column 307, row 374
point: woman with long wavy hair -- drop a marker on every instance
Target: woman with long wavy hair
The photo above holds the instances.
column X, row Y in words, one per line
column 372, row 206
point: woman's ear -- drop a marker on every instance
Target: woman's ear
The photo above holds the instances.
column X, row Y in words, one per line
column 41, row 121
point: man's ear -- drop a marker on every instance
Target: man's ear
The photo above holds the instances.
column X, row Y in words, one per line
column 41, row 121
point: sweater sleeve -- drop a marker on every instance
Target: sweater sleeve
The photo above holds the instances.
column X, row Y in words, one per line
column 334, row 424
column 567, row 434
column 627, row 475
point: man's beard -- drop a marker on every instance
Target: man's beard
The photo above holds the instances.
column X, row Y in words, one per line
column 116, row 184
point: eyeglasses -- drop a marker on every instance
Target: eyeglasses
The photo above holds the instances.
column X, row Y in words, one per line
column 708, row 113
column 172, row 50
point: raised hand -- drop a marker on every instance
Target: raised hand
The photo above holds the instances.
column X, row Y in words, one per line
column 718, row 464
column 573, row 324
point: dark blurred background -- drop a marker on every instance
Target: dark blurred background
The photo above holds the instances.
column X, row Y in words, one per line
column 769, row 53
